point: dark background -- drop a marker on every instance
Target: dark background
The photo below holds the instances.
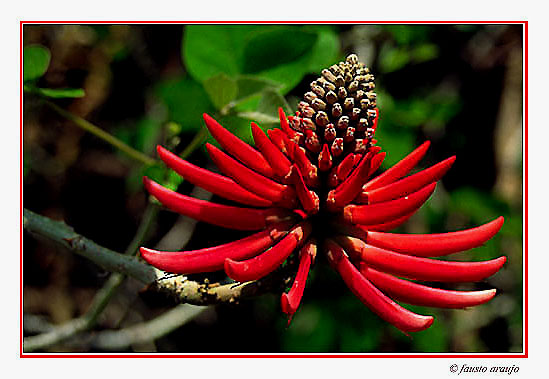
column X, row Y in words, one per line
column 460, row 86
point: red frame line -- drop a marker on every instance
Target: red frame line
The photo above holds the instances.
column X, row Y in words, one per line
column 343, row 355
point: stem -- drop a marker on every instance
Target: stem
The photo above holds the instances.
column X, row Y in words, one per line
column 100, row 133
column 64, row 235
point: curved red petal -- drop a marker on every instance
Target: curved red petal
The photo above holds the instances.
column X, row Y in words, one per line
column 212, row 258
column 238, row 148
column 398, row 170
column 425, row 269
column 372, row 297
column 215, row 183
column 435, row 245
column 376, row 162
column 309, row 199
column 388, row 210
column 257, row 267
column 252, row 181
column 222, row 215
column 418, row 294
column 389, row 225
column 290, row 301
column 277, row 160
column 407, row 185
column 351, row 187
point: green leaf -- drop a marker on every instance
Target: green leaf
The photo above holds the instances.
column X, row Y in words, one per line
column 239, row 126
column 267, row 109
column 271, row 101
column 392, row 59
column 249, row 85
column 425, row 52
column 325, row 51
column 211, row 49
column 221, row 89
column 36, row 59
column 61, row 93
column 186, row 101
column 275, row 47
column 283, row 54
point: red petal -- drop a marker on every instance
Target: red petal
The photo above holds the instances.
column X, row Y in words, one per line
column 373, row 298
column 389, row 225
column 292, row 134
column 252, row 181
column 212, row 258
column 350, row 188
column 309, row 200
column 435, row 245
column 407, row 185
column 277, row 160
column 215, row 183
column 398, row 170
column 290, row 301
column 308, row 170
column 418, row 294
column 420, row 268
column 216, row 214
column 263, row 264
column 278, row 138
column 238, row 148
column 325, row 158
column 388, row 210
column 376, row 162
column 346, row 166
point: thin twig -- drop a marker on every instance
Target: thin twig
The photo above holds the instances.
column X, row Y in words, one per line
column 100, row 133
column 116, row 340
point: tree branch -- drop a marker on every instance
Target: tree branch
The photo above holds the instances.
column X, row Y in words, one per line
column 179, row 287
column 115, row 340
column 109, row 260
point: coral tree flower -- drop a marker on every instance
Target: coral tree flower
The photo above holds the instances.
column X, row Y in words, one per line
column 309, row 187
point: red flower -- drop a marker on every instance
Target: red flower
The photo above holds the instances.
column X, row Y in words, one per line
column 308, row 186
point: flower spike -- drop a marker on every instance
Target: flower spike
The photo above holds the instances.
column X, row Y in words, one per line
column 311, row 185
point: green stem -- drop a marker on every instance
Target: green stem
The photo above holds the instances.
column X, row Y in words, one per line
column 100, row 133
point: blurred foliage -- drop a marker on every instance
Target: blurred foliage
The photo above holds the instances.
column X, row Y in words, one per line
column 150, row 85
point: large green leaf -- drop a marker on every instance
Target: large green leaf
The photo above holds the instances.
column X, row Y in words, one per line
column 250, row 85
column 212, row 49
column 36, row 59
column 186, row 101
column 221, row 89
column 281, row 53
column 274, row 47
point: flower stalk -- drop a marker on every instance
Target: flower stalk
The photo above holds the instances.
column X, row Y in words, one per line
column 310, row 188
